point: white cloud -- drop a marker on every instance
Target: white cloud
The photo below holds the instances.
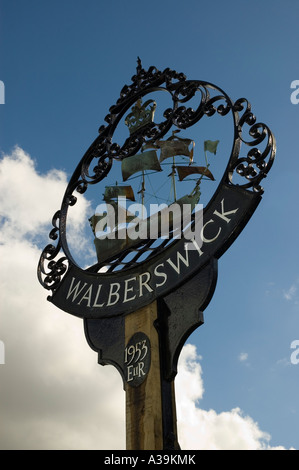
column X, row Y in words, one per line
column 21, row 185
column 243, row 357
column 53, row 394
column 290, row 293
column 207, row 430
column 28, row 200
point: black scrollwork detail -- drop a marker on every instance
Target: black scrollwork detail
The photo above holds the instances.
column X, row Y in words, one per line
column 50, row 270
column 257, row 163
column 223, row 108
column 101, row 151
column 51, row 277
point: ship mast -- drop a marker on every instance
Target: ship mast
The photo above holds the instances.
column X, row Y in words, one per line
column 142, row 191
column 173, row 178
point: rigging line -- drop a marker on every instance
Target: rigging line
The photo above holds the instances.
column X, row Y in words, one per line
column 169, row 194
column 157, row 198
column 196, row 179
column 155, row 195
column 138, row 176
column 149, row 180
column 173, row 178
column 177, row 163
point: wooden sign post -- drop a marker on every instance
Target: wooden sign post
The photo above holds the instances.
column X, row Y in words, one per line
column 147, row 293
column 144, row 427
column 145, row 346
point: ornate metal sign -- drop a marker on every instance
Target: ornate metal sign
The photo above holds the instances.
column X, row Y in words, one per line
column 154, row 272
column 139, row 265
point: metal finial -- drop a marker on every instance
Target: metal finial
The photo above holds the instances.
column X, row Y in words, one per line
column 139, row 66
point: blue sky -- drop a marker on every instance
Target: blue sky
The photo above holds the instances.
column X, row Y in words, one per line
column 64, row 63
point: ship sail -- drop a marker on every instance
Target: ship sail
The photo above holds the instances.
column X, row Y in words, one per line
column 140, row 163
column 184, row 171
column 115, row 192
column 175, row 145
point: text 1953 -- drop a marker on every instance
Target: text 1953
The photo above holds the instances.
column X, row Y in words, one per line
column 137, row 359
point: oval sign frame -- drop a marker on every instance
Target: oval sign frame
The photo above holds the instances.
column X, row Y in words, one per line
column 89, row 294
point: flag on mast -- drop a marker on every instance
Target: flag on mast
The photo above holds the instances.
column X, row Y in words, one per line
column 211, row 146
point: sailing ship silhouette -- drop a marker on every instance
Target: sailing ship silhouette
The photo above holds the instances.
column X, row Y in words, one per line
column 115, row 229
